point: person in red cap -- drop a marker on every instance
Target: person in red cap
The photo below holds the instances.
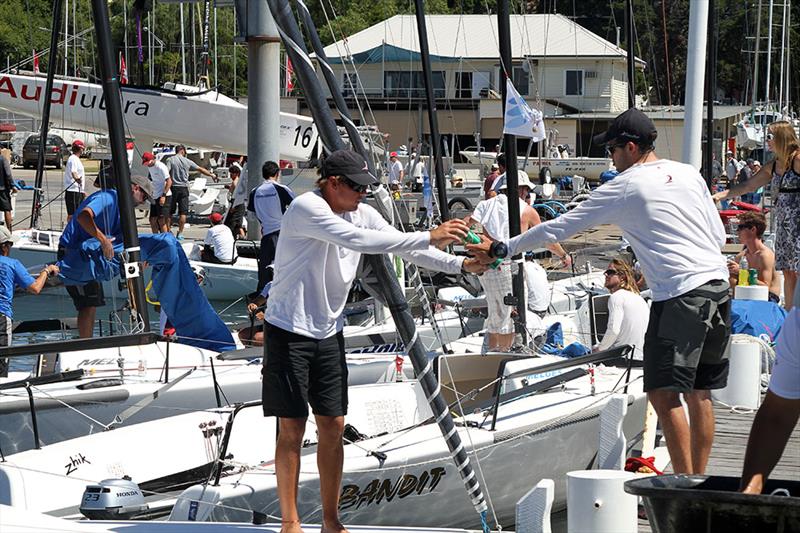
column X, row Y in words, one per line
column 161, row 205
column 74, row 183
column 395, row 172
column 219, row 245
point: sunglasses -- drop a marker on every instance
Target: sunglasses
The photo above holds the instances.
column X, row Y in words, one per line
column 610, row 272
column 770, row 136
column 611, row 147
column 357, row 187
column 743, row 226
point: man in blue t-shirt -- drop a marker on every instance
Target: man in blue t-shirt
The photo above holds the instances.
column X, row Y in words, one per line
column 13, row 275
column 97, row 217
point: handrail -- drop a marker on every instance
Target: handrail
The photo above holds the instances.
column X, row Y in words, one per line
column 223, row 449
column 74, row 345
column 606, row 355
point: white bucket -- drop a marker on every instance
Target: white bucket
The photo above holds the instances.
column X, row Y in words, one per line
column 744, row 377
column 751, row 292
column 597, row 502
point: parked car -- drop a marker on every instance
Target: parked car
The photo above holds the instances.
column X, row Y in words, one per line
column 56, row 151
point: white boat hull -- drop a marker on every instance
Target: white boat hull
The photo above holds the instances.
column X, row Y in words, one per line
column 207, row 120
column 541, row 436
column 588, row 167
column 221, row 282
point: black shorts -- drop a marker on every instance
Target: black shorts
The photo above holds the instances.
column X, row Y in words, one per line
column 89, row 295
column 5, row 200
column 686, row 341
column 299, row 371
column 83, row 296
column 157, row 210
column 235, row 218
column 73, row 200
column 180, row 200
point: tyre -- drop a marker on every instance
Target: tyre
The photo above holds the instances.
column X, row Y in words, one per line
column 545, row 176
column 59, row 162
column 459, row 203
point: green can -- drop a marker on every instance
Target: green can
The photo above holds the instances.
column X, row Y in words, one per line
column 753, row 276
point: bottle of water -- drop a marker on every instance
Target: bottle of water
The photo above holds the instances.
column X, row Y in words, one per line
column 471, row 238
column 743, row 274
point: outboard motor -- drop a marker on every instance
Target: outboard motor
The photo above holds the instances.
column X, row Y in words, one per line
column 112, row 499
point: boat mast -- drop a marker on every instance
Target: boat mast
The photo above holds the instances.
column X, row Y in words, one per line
column 783, row 56
column 387, row 285
column 755, row 69
column 695, row 77
column 203, row 79
column 769, row 57
column 48, row 90
column 512, row 182
column 433, row 120
column 631, row 58
column 119, row 161
column 711, row 91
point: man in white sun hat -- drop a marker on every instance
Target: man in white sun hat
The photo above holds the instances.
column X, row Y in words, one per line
column 14, row 275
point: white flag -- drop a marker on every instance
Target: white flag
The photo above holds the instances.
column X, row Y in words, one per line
column 520, row 119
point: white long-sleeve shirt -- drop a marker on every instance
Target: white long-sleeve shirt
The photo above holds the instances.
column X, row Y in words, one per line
column 317, row 258
column 628, row 316
column 665, row 212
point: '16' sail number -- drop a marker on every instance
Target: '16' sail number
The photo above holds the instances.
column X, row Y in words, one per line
column 305, row 138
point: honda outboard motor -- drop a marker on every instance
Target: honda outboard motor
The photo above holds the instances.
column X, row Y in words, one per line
column 112, row 499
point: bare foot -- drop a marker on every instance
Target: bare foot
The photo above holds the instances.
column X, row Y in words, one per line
column 291, row 526
column 332, row 527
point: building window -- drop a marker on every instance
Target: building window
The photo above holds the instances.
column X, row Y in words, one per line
column 521, row 80
column 573, row 84
column 405, row 84
column 349, row 84
column 464, row 85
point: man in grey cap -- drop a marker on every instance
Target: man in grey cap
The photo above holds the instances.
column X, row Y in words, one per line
column 323, row 234
column 666, row 213
column 97, row 217
column 14, row 275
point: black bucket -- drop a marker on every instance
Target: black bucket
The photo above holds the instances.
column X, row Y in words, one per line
column 706, row 504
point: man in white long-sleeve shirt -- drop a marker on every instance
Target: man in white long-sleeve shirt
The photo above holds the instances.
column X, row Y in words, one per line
column 665, row 211
column 323, row 234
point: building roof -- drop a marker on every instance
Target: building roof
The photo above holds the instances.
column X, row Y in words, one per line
column 475, row 37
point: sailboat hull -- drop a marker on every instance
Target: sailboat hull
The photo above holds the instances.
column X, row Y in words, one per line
column 206, row 120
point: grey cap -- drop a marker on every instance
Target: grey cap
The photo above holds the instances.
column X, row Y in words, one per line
column 145, row 184
column 7, row 236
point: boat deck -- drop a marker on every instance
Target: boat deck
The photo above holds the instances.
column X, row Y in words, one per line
column 730, row 443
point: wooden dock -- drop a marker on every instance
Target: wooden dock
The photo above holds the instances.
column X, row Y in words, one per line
column 730, row 443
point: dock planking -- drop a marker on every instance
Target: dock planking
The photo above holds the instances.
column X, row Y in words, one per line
column 730, row 443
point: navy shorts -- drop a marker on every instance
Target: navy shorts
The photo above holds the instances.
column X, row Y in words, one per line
column 299, row 371
column 685, row 347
